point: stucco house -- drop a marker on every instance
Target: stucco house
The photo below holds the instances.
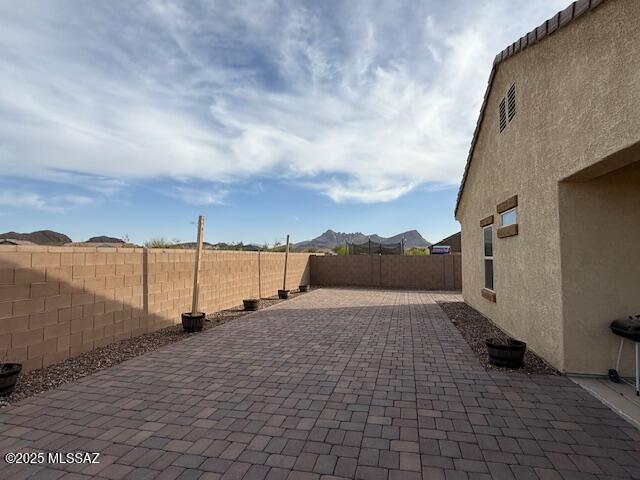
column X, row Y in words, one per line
column 550, row 199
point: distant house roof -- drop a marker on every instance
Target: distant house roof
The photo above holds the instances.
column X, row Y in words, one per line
column 453, row 241
column 13, row 241
column 555, row 23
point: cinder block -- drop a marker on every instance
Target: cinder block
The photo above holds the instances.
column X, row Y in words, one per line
column 57, row 330
column 24, row 339
column 6, row 309
column 27, row 276
column 51, row 358
column 96, row 258
column 13, row 292
column 45, row 289
column 114, row 282
column 24, row 307
column 63, row 344
column 39, row 349
column 94, row 284
column 57, row 302
column 105, row 270
column 124, row 270
column 45, row 259
column 82, row 299
column 84, row 271
column 15, row 259
column 72, row 286
column 62, row 273
column 39, row 320
column 93, row 309
column 6, row 276
column 72, row 258
column 31, row 364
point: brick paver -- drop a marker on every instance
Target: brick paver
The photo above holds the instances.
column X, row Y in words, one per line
column 334, row 384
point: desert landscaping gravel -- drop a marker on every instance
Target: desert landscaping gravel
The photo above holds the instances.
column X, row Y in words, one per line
column 476, row 328
column 37, row 381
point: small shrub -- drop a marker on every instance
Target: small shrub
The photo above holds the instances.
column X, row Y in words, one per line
column 417, row 252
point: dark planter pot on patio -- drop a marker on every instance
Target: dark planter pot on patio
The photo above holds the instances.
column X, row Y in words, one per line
column 251, row 304
column 304, row 288
column 283, row 294
column 193, row 322
column 506, row 352
column 9, row 373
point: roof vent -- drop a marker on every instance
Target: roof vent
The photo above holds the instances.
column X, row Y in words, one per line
column 511, row 98
column 503, row 116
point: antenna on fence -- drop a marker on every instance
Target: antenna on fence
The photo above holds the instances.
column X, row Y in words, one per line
column 196, row 273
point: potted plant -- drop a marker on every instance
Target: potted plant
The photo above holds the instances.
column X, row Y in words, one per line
column 251, row 304
column 9, row 373
column 193, row 321
column 506, row 352
column 303, row 288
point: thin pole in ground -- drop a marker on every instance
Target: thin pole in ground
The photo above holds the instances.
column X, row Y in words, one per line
column 286, row 261
column 259, row 274
column 196, row 273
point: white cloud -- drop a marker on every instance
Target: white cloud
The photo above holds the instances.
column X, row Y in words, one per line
column 199, row 195
column 15, row 199
column 364, row 102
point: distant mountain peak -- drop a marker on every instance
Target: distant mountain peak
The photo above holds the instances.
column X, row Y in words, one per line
column 40, row 237
column 331, row 239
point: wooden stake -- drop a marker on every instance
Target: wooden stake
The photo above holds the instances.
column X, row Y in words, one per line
column 286, row 260
column 196, row 273
column 259, row 275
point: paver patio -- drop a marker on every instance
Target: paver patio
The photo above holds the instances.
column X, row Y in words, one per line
column 336, row 383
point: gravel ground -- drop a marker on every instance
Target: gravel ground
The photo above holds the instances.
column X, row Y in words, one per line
column 37, row 381
column 475, row 328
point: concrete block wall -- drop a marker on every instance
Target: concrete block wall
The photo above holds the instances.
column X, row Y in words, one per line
column 431, row 272
column 57, row 302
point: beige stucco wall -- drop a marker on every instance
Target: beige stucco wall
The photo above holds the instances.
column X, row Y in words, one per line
column 577, row 98
column 600, row 238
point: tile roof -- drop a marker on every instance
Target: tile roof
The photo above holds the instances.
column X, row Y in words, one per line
column 555, row 23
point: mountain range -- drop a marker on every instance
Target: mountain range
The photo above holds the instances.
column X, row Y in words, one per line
column 49, row 237
column 331, row 239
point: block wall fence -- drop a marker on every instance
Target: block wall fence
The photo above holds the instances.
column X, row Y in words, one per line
column 429, row 272
column 58, row 302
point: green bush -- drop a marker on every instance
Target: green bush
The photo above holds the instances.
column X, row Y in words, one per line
column 417, row 252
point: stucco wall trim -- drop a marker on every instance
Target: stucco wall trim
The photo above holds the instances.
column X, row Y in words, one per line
column 489, row 294
column 508, row 204
column 508, row 231
column 486, row 221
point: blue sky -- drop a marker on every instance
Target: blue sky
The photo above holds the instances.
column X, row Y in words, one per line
column 268, row 117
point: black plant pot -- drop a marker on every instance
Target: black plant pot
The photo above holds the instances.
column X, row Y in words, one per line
column 506, row 353
column 9, row 373
column 283, row 294
column 304, row 288
column 193, row 322
column 251, row 304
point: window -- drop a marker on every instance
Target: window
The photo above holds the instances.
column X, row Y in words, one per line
column 508, row 218
column 503, row 115
column 511, row 101
column 488, row 257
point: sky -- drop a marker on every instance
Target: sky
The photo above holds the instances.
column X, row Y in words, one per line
column 127, row 118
